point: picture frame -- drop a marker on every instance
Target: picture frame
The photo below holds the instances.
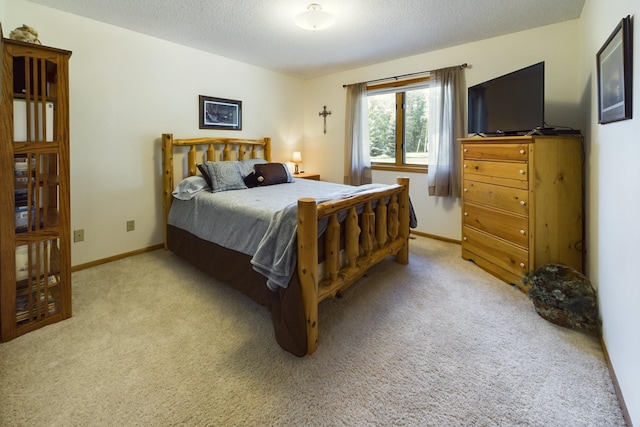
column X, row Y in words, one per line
column 220, row 113
column 614, row 66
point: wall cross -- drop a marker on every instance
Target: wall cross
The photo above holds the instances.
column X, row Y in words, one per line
column 324, row 113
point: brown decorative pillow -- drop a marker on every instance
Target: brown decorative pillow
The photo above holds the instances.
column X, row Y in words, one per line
column 204, row 173
column 251, row 180
column 272, row 173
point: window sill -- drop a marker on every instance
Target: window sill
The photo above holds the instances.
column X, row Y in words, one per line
column 396, row 168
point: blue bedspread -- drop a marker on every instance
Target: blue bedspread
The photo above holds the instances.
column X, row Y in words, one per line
column 260, row 222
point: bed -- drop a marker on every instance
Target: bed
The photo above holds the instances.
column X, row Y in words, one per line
column 336, row 236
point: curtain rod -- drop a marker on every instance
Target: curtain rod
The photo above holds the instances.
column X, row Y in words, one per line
column 465, row 65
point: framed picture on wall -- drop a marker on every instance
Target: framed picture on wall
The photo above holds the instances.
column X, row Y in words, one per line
column 220, row 113
column 614, row 61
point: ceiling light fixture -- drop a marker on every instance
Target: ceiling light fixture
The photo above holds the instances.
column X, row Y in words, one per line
column 314, row 18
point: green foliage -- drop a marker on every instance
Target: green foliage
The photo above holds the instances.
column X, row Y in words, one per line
column 416, row 121
column 382, row 124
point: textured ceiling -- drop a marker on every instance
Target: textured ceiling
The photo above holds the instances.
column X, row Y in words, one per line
column 262, row 32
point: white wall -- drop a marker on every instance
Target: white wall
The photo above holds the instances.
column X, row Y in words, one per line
column 612, row 202
column 5, row 31
column 126, row 89
column 554, row 44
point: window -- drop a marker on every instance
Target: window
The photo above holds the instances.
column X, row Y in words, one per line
column 398, row 124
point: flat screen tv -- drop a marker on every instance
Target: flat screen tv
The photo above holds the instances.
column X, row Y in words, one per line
column 508, row 105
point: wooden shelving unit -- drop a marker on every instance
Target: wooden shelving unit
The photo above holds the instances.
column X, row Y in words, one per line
column 35, row 238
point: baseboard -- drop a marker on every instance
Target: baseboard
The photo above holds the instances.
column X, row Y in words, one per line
column 616, row 386
column 160, row 246
column 433, row 236
column 115, row 258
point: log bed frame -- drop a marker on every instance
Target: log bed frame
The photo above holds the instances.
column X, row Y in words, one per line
column 369, row 236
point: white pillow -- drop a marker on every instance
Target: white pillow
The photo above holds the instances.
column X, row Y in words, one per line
column 189, row 187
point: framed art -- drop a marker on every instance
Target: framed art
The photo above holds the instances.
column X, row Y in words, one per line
column 614, row 61
column 220, row 113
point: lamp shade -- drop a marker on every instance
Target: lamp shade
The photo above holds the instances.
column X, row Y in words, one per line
column 314, row 18
column 297, row 157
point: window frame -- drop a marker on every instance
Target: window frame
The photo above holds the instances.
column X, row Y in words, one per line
column 399, row 164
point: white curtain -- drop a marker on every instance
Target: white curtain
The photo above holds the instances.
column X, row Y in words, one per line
column 445, row 126
column 357, row 161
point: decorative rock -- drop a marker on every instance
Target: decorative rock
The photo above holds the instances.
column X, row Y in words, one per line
column 564, row 296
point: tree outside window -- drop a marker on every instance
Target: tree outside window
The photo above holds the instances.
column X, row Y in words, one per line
column 398, row 126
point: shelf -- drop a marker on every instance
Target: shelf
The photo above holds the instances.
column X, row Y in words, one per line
column 33, row 98
column 35, row 147
column 23, row 316
column 20, row 183
column 53, row 278
column 49, row 225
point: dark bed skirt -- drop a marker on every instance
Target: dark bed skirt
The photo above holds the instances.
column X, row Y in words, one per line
column 285, row 305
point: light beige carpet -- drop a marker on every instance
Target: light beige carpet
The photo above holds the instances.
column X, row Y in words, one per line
column 436, row 343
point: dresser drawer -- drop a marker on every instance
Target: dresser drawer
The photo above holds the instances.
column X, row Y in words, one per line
column 507, row 256
column 510, row 199
column 517, row 152
column 504, row 170
column 513, row 228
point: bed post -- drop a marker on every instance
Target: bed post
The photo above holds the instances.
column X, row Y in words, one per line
column 402, row 257
column 308, row 267
column 267, row 148
column 167, row 180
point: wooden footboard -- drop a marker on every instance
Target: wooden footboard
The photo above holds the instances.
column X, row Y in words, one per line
column 375, row 225
column 371, row 234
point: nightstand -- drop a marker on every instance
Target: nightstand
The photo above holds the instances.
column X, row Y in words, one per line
column 307, row 175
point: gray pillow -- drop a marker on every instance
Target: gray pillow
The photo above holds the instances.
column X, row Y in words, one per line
column 225, row 176
column 246, row 166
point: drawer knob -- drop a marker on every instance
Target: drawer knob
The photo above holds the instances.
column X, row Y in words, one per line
column 465, row 190
column 465, row 150
column 464, row 238
column 522, row 202
column 522, row 265
column 522, row 232
column 521, row 171
column 466, row 214
column 465, row 166
column 522, row 151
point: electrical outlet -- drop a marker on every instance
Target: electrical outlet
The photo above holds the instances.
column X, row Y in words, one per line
column 78, row 236
column 131, row 225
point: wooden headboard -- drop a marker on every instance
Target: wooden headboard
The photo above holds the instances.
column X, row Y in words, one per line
column 230, row 149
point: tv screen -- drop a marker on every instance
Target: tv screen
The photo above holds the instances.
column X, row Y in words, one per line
column 508, row 105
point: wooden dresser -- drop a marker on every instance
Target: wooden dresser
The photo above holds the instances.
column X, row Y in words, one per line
column 522, row 203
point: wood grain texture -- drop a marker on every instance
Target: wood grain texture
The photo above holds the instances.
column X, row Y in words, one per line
column 522, row 203
column 39, row 293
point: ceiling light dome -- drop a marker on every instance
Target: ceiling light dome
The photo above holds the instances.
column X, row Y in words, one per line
column 314, row 18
